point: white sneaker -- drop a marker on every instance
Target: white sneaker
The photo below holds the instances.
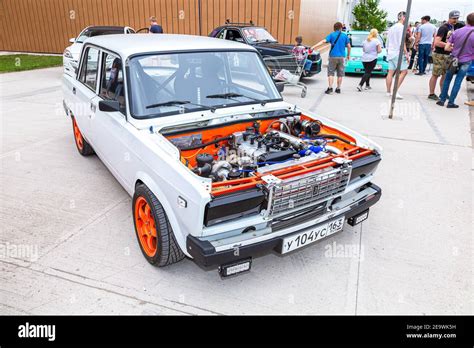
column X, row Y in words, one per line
column 388, row 94
column 359, row 88
column 399, row 96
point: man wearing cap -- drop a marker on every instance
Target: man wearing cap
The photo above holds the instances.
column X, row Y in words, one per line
column 461, row 46
column 440, row 55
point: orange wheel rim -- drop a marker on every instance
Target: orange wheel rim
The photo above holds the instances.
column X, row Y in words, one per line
column 77, row 135
column 145, row 225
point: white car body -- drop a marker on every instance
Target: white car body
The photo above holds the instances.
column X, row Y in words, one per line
column 135, row 151
column 72, row 53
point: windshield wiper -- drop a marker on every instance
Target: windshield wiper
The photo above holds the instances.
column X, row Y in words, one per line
column 180, row 103
column 232, row 96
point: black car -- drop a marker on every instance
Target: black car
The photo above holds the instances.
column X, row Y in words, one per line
column 264, row 42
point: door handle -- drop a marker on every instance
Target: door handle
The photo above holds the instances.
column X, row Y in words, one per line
column 73, row 90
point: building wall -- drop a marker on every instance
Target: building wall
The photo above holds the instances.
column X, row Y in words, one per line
column 317, row 19
column 47, row 25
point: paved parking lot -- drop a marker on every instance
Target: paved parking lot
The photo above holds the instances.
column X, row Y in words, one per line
column 67, row 227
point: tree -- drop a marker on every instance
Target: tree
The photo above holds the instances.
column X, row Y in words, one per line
column 368, row 15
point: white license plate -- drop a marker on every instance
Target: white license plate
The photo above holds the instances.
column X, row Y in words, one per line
column 378, row 67
column 312, row 235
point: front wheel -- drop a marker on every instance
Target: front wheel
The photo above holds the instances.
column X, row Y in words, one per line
column 154, row 232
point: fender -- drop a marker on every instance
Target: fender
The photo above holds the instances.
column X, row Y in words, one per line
column 179, row 235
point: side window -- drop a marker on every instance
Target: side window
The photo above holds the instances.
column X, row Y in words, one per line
column 89, row 68
column 111, row 84
column 234, row 35
column 221, row 35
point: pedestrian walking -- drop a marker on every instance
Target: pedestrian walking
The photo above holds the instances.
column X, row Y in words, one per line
column 396, row 34
column 339, row 44
column 155, row 28
column 371, row 48
column 424, row 43
column 440, row 55
column 461, row 46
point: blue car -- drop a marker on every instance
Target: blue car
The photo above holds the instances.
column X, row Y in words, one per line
column 354, row 65
column 470, row 73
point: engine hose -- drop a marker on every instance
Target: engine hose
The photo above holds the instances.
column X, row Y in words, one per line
column 200, row 146
column 330, row 136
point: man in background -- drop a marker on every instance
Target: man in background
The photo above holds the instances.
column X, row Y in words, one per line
column 440, row 55
column 424, row 43
column 155, row 28
column 414, row 48
column 339, row 43
column 395, row 35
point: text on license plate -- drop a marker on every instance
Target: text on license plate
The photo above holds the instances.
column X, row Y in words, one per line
column 312, row 235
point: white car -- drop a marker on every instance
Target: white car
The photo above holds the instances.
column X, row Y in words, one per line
column 220, row 168
column 72, row 53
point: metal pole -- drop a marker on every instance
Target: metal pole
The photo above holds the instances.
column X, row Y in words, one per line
column 400, row 57
column 200, row 17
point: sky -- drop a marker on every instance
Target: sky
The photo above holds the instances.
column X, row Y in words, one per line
column 438, row 9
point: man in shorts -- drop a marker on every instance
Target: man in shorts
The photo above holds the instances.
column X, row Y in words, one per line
column 395, row 35
column 339, row 42
column 440, row 55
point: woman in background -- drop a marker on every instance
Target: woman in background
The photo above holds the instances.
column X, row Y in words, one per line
column 371, row 47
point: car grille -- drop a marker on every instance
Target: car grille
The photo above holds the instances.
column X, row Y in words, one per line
column 295, row 193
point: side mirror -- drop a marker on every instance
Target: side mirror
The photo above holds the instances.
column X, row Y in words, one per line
column 72, row 40
column 109, row 105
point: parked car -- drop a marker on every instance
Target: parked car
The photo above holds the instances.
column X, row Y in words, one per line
column 220, row 168
column 470, row 73
column 71, row 53
column 264, row 42
column 354, row 65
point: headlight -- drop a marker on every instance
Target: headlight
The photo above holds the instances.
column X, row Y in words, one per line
column 355, row 58
column 67, row 54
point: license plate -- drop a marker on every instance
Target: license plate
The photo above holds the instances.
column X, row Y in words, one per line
column 378, row 67
column 312, row 235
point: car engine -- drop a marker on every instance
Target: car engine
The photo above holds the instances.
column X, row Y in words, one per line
column 285, row 142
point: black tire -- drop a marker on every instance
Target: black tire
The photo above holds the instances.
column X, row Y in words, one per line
column 84, row 148
column 167, row 249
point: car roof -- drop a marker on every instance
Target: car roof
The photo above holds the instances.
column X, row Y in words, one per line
column 105, row 27
column 130, row 44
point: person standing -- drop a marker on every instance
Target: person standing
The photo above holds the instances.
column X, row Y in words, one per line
column 440, row 55
column 414, row 50
column 155, row 28
column 339, row 42
column 371, row 48
column 424, row 43
column 395, row 36
column 461, row 46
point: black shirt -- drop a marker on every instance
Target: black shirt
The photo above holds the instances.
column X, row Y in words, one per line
column 445, row 32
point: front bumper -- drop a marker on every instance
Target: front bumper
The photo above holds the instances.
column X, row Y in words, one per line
column 315, row 68
column 356, row 67
column 206, row 256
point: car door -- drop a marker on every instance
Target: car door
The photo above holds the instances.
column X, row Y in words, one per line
column 110, row 128
column 84, row 90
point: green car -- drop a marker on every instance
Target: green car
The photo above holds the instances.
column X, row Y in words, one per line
column 354, row 65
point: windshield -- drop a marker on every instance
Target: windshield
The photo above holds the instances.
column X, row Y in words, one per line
column 357, row 40
column 96, row 32
column 258, row 35
column 169, row 84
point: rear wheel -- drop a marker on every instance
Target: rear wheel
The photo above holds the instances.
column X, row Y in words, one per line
column 154, row 232
column 84, row 148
